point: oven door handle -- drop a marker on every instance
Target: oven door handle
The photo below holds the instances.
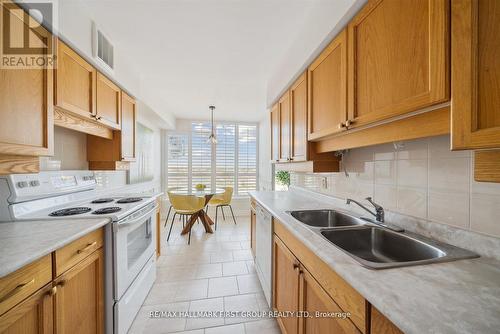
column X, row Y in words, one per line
column 138, row 219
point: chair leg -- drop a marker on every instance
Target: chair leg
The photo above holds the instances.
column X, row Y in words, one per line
column 189, row 238
column 171, row 225
column 168, row 214
column 232, row 213
column 216, row 211
column 222, row 209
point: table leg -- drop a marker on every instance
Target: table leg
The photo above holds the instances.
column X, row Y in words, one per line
column 190, row 223
column 207, row 218
column 205, row 223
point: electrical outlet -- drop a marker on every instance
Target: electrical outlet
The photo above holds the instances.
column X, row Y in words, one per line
column 324, row 183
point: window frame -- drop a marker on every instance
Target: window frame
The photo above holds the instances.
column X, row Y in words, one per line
column 189, row 133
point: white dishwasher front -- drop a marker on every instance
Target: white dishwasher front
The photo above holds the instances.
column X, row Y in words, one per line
column 264, row 250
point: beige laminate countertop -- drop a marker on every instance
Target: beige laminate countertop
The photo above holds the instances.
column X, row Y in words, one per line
column 23, row 242
column 453, row 297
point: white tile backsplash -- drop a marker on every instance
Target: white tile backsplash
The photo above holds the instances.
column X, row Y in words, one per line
column 420, row 178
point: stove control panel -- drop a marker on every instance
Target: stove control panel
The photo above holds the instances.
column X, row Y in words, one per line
column 24, row 187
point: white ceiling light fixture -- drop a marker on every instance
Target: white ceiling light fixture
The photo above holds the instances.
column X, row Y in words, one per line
column 212, row 138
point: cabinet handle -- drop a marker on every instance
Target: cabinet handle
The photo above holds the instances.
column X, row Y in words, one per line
column 52, row 291
column 295, row 266
column 348, row 123
column 61, row 283
column 98, row 118
column 341, row 125
column 86, row 248
column 16, row 290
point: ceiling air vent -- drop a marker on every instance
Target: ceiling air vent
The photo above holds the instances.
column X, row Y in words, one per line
column 102, row 49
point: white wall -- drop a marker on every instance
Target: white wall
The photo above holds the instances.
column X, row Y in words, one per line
column 422, row 179
column 265, row 167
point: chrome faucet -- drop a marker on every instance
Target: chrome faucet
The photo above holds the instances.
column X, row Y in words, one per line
column 379, row 213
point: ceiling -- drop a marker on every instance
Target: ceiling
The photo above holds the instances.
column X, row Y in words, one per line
column 193, row 53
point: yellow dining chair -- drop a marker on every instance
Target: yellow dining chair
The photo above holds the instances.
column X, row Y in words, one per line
column 221, row 201
column 185, row 206
column 170, row 208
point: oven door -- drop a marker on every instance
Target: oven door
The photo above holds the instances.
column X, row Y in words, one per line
column 133, row 245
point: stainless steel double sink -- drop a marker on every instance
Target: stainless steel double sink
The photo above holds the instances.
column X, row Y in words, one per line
column 377, row 247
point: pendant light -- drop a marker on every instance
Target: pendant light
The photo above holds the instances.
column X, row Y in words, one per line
column 212, row 139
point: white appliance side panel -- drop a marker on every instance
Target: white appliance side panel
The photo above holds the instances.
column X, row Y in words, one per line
column 128, row 306
column 263, row 252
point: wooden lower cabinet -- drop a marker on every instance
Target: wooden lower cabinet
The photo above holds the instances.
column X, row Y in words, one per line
column 296, row 290
column 328, row 317
column 285, row 286
column 32, row 316
column 381, row 325
column 73, row 302
column 80, row 297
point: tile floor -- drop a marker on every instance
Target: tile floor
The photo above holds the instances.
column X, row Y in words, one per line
column 215, row 273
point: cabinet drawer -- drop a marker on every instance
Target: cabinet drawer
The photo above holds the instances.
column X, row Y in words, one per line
column 76, row 251
column 23, row 282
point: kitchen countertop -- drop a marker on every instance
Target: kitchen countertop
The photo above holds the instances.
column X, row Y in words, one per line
column 23, row 242
column 453, row 297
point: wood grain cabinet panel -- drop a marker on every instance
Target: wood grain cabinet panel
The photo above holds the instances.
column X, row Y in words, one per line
column 75, row 83
column 284, row 123
column 26, row 96
column 128, row 128
column 275, row 133
column 285, row 286
column 398, row 58
column 34, row 315
column 108, row 102
column 327, row 80
column 80, row 297
column 475, row 70
column 327, row 315
column 381, row 325
column 298, row 121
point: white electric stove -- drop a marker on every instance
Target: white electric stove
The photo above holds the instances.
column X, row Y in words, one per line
column 130, row 236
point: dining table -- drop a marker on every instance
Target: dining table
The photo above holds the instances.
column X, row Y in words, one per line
column 207, row 193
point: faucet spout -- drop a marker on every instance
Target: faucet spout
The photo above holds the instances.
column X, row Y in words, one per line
column 379, row 213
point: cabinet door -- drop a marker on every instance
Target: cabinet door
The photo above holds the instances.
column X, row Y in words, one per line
column 284, row 124
column 75, row 83
column 253, row 224
column 79, row 298
column 398, row 58
column 475, row 52
column 314, row 299
column 327, row 80
column 26, row 98
column 298, row 106
column 275, row 133
column 32, row 316
column 285, row 286
column 128, row 128
column 381, row 325
column 108, row 102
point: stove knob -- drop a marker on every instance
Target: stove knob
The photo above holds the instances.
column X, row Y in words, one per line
column 34, row 183
column 22, row 184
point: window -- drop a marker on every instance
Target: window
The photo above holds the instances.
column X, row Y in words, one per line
column 247, row 158
column 232, row 162
column 178, row 160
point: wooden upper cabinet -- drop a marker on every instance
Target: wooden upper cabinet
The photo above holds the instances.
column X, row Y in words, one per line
column 34, row 315
column 80, row 298
column 275, row 133
column 108, row 102
column 315, row 299
column 128, row 127
column 75, row 85
column 398, row 58
column 327, row 80
column 298, row 122
column 475, row 71
column 285, row 286
column 26, row 97
column 284, row 124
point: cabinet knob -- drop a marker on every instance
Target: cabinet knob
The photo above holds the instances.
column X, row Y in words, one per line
column 341, row 125
column 52, row 291
column 348, row 123
column 295, row 266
